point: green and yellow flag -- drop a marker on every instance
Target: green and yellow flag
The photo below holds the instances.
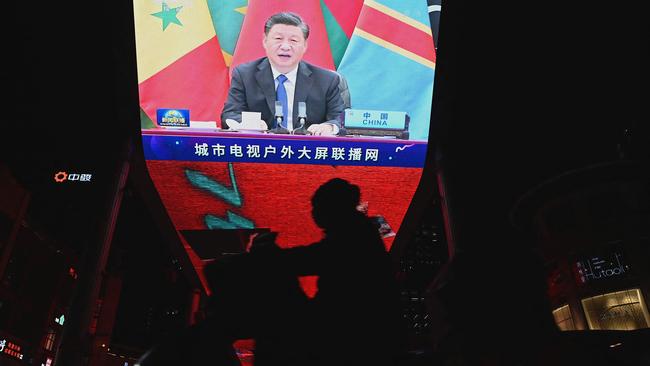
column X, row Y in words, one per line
column 227, row 18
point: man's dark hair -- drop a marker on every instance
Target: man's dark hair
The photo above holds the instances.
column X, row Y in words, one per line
column 287, row 18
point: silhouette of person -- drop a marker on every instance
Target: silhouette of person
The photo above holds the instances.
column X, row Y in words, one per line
column 355, row 317
column 254, row 299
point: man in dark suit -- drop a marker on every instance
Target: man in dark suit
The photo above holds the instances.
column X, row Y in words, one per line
column 283, row 76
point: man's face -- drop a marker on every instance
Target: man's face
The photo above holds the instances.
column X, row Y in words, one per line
column 285, row 45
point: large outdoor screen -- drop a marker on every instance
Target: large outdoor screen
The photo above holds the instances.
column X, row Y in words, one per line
column 210, row 176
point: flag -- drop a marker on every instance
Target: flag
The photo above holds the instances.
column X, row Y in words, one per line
column 179, row 59
column 227, row 18
column 340, row 17
column 249, row 46
column 390, row 61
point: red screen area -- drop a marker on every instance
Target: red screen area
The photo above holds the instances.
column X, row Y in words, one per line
column 274, row 196
column 210, row 178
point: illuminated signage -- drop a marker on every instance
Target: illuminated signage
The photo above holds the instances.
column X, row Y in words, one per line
column 62, row 176
column 221, row 178
column 367, row 152
column 600, row 267
column 377, row 123
column 11, row 349
column 173, row 117
column 375, row 119
column 60, row 320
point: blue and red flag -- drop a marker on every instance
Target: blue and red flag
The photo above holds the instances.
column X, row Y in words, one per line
column 390, row 61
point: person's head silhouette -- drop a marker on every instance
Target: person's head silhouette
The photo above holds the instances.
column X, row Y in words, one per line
column 334, row 199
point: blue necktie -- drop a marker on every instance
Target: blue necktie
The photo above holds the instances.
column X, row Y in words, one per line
column 281, row 95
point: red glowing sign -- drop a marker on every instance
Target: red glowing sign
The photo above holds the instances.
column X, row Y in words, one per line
column 11, row 349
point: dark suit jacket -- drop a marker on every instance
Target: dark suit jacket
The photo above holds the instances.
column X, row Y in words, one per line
column 252, row 89
column 358, row 302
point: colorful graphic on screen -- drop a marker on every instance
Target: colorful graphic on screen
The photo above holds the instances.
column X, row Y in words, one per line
column 259, row 144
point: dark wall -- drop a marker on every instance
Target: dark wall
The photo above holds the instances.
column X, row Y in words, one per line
column 528, row 92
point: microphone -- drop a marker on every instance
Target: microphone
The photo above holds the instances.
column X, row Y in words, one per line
column 279, row 117
column 302, row 119
column 302, row 113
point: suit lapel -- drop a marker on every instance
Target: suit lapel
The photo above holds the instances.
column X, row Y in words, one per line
column 264, row 78
column 303, row 85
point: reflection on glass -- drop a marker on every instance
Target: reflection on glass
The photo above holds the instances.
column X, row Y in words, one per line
column 621, row 310
column 563, row 318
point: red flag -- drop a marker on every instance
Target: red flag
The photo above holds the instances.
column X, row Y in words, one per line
column 249, row 45
column 346, row 13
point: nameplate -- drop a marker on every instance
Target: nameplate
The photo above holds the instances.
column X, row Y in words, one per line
column 167, row 117
column 372, row 119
